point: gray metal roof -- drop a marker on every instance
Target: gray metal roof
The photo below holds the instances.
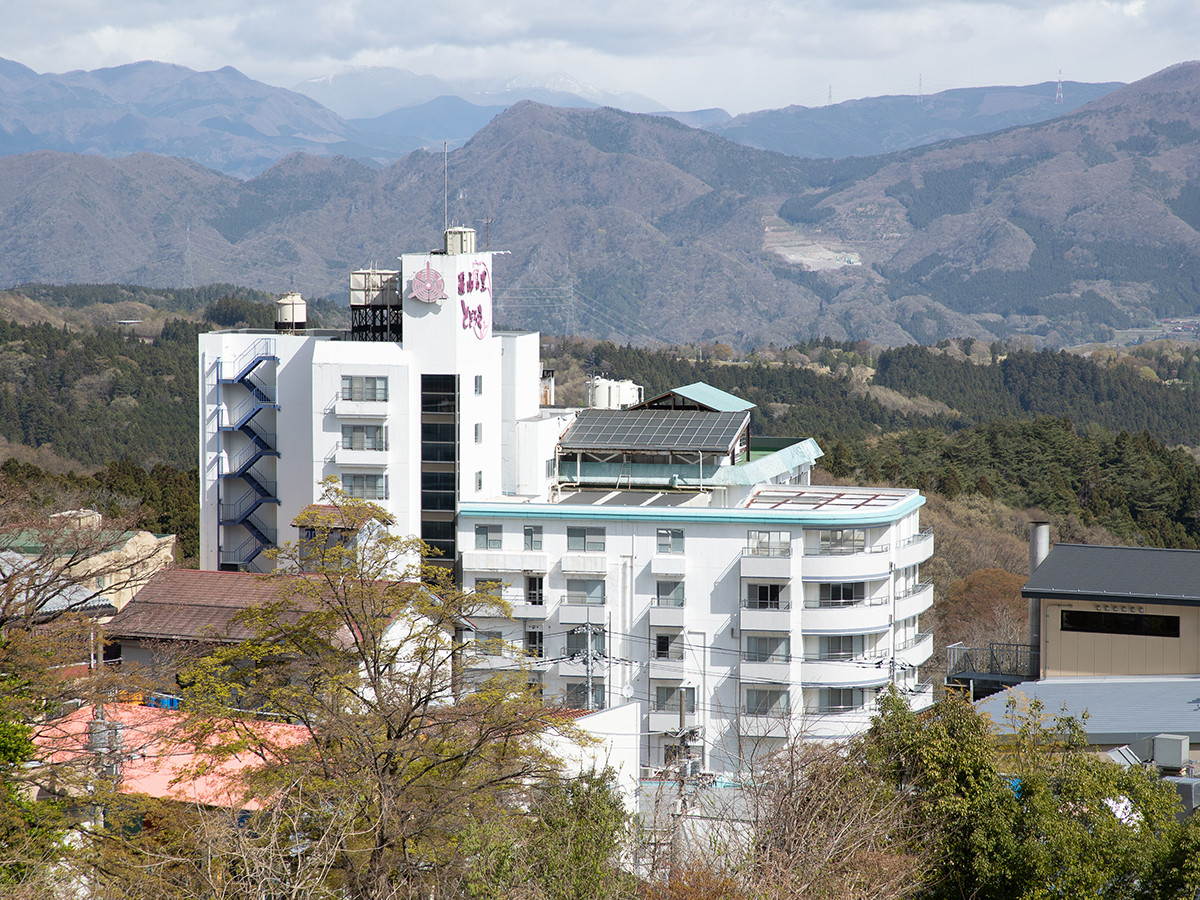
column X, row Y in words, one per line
column 654, row 429
column 1121, row 709
column 703, row 395
column 1077, row 570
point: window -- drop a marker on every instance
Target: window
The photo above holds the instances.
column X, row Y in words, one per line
column 533, row 537
column 1104, row 622
column 490, row 642
column 768, row 543
column 488, row 537
column 585, row 591
column 438, row 441
column 437, row 490
column 550, row 468
column 836, row 700
column 366, row 487
column 768, row 648
column 840, row 646
column 764, row 596
column 577, row 642
column 670, row 540
column 368, row 388
column 364, row 437
column 576, row 695
column 478, row 385
column 479, row 432
column 843, row 540
column 440, row 536
column 669, row 593
column 535, row 594
column 479, row 481
column 439, row 393
column 668, row 646
column 767, row 702
column 666, row 699
column 585, row 540
column 535, row 644
column 843, row 593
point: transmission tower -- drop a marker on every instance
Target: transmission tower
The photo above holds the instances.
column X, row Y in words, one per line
column 1058, row 97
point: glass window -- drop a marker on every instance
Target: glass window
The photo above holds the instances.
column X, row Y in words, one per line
column 550, row 468
column 535, row 593
column 841, row 646
column 585, row 540
column 478, row 385
column 763, row 596
column 364, row 437
column 669, row 593
column 577, row 642
column 835, row 700
column 479, row 432
column 768, row 543
column 585, row 590
column 576, row 695
column 768, row 648
column 439, row 393
column 490, row 642
column 767, row 702
column 366, row 487
column 668, row 646
column 666, row 699
column 670, row 540
column 535, row 643
column 488, row 537
column 365, row 388
column 479, row 481
column 533, row 537
column 844, row 540
column 843, row 593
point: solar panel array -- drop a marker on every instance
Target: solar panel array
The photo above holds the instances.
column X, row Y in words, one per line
column 654, row 429
column 827, row 498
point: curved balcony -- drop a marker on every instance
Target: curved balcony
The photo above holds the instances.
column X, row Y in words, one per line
column 870, row 564
column 868, row 670
column 915, row 550
column 859, row 618
column 916, row 651
column 915, row 601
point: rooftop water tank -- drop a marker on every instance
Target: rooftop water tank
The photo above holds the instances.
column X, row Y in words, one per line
column 291, row 313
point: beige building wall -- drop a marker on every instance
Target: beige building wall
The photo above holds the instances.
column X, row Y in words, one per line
column 1066, row 653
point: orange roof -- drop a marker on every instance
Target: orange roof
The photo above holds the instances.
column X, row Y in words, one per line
column 156, row 758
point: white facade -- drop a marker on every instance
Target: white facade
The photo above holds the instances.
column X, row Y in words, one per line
column 781, row 616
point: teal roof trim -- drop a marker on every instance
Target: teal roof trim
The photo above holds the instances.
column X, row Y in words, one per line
column 770, row 467
column 706, row 395
column 593, row 512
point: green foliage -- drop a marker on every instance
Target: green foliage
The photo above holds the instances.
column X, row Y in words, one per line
column 1034, row 818
column 234, row 312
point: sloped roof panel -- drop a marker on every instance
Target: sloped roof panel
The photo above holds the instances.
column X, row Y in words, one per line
column 654, row 429
column 1150, row 574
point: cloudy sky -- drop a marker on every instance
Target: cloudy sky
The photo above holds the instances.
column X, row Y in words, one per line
column 686, row 54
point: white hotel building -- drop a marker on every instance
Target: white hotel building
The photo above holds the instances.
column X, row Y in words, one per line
column 655, row 555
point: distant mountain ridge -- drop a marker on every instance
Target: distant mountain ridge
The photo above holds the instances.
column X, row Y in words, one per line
column 637, row 227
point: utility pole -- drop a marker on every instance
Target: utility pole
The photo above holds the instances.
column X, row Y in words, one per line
column 590, row 656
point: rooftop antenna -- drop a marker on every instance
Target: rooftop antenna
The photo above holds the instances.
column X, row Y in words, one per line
column 445, row 187
column 1058, row 97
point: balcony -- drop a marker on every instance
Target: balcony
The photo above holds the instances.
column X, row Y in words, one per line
column 776, row 667
column 668, row 565
column 914, row 601
column 760, row 726
column 915, row 550
column 865, row 670
column 575, row 609
column 585, row 563
column 500, row 561
column 373, row 458
column 851, row 563
column 867, row 617
column 769, row 562
column 667, row 719
column 668, row 663
column 529, row 610
column 360, row 409
column 775, row 615
column 916, row 650
column 667, row 612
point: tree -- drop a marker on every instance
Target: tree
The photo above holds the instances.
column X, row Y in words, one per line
column 362, row 652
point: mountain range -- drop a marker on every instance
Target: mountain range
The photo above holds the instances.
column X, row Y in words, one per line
column 637, row 227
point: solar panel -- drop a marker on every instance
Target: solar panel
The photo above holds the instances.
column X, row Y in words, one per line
column 654, row 429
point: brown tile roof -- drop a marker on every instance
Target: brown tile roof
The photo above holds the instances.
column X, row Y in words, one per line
column 189, row 604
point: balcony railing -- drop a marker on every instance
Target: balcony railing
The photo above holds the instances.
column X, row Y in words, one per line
column 779, row 550
column 915, row 589
column 674, row 653
column 846, row 550
column 1000, row 660
column 754, row 603
column 914, row 640
column 842, row 604
column 847, row 656
column 668, row 602
column 756, row 656
column 572, row 598
column 923, row 535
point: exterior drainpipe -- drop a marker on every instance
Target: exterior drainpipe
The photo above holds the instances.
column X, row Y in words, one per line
column 1039, row 549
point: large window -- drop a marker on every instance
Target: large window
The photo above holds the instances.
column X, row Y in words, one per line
column 364, row 437
column 1136, row 624
column 669, row 593
column 488, row 537
column 767, row 702
column 439, row 441
column 533, row 537
column 576, row 695
column 769, row 543
column 670, row 540
column 437, row 490
column 439, row 393
column 490, row 642
column 585, row 591
column 768, row 649
column 843, row 540
column 666, row 698
column 368, row 387
column 846, row 593
column 577, row 642
column 585, row 540
column 840, row 646
column 764, row 596
column 837, row 700
column 366, row 487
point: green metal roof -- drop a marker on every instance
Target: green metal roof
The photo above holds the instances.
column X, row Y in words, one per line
column 704, row 395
